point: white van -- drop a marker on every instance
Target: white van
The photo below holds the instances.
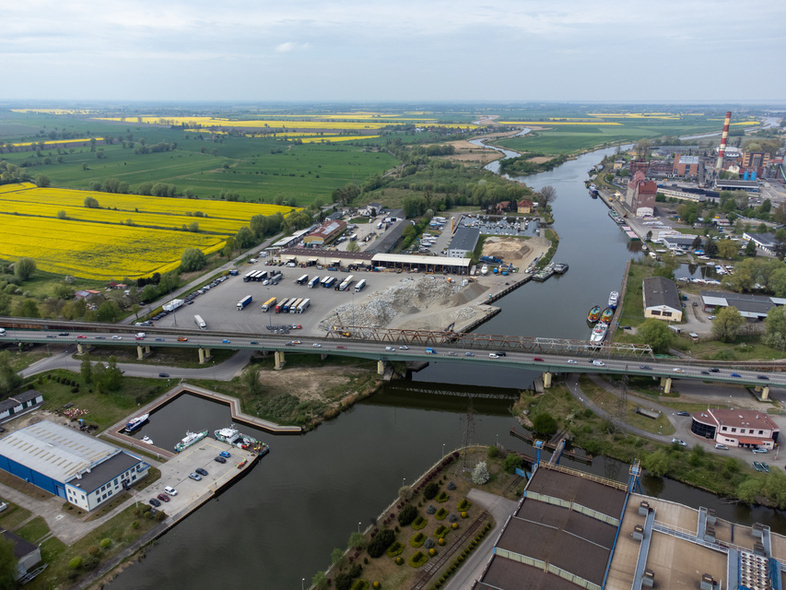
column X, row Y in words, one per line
column 2, row 331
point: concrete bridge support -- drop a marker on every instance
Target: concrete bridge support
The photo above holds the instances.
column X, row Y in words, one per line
column 280, row 361
column 380, row 367
column 204, row 355
column 665, row 383
column 546, row 380
column 764, row 391
column 141, row 351
column 79, row 348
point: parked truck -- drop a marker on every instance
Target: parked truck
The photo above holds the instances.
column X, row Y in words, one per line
column 313, row 282
column 294, row 305
column 302, row 280
column 269, row 304
column 243, row 303
column 304, row 305
column 361, row 284
column 200, row 322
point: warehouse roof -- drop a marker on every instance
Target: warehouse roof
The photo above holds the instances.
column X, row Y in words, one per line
column 660, row 291
column 430, row 260
column 56, row 451
column 750, row 306
column 106, row 471
column 466, row 238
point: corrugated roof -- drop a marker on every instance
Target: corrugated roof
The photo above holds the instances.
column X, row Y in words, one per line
column 466, row 238
column 56, row 451
column 660, row 291
column 430, row 260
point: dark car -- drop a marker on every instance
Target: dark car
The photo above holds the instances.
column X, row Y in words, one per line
column 736, row 375
column 537, row 358
column 254, row 342
column 501, row 353
column 164, row 375
column 763, row 377
column 160, row 339
column 163, row 497
column 201, row 471
column 154, row 502
column 63, row 333
column 683, row 413
column 705, row 372
column 645, row 368
column 220, row 459
column 714, row 370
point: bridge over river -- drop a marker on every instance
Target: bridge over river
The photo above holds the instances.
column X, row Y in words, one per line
column 548, row 356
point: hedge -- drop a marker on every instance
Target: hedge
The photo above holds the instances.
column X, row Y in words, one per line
column 417, row 540
column 419, row 523
column 379, row 544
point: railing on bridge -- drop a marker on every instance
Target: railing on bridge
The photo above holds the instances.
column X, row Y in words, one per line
column 537, row 345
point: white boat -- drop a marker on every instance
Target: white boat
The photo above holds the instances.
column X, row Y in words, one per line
column 191, row 438
column 599, row 332
column 147, row 440
column 484, row 270
column 613, row 298
column 135, row 423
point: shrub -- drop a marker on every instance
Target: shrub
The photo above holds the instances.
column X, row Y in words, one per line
column 464, row 505
column 429, row 543
column 135, row 524
column 417, row 540
column 441, row 514
column 105, row 543
column 360, row 585
column 441, row 531
column 395, row 549
column 431, row 509
column 454, row 526
column 381, row 542
column 432, row 552
column 453, row 518
column 441, row 540
column 418, row 559
column 512, row 462
column 451, row 486
column 93, row 550
column 377, row 585
column 407, row 515
column 75, row 563
column 443, row 497
column 343, row 581
column 399, row 560
column 90, row 562
column 431, row 491
column 480, row 475
column 464, row 514
column 419, row 523
column 493, row 452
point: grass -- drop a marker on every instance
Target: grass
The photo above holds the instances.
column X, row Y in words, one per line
column 34, row 530
column 21, row 485
column 13, row 516
column 184, row 357
column 633, row 302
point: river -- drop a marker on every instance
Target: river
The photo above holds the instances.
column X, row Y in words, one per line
column 279, row 524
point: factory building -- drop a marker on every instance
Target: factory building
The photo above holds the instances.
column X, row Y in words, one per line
column 79, row 468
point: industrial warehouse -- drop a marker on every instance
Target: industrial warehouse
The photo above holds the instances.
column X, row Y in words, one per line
column 64, row 462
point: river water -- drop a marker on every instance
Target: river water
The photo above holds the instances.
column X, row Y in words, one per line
column 279, row 524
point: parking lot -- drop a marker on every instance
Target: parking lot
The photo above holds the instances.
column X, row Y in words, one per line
column 218, row 306
column 190, row 493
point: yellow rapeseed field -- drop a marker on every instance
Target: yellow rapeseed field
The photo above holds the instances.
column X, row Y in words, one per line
column 549, row 123
column 129, row 236
column 56, row 142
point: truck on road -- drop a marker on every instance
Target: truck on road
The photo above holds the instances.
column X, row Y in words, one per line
column 243, row 302
column 200, row 322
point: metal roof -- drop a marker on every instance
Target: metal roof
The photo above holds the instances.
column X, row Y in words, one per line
column 748, row 305
column 56, row 451
column 465, row 238
column 661, row 291
column 430, row 260
column 106, row 471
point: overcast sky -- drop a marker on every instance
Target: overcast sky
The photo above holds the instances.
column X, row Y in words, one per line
column 393, row 50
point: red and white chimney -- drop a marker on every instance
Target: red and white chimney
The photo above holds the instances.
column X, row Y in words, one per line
column 724, row 137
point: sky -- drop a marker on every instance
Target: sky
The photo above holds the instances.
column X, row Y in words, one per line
column 393, row 50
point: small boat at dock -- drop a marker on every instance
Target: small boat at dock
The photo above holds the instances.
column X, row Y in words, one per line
column 237, row 439
column 594, row 314
column 613, row 299
column 599, row 332
column 607, row 315
column 136, row 423
column 561, row 268
column 147, row 440
column 191, row 438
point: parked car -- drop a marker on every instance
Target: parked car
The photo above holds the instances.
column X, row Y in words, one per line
column 154, row 502
column 201, row 471
column 220, row 459
column 225, row 454
column 170, row 490
column 195, row 476
column 683, row 413
column 163, row 497
column 164, row 375
column 679, row 441
column 759, row 450
column 721, row 447
column 598, row 363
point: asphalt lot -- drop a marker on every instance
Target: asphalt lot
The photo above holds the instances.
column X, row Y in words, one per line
column 190, row 493
column 218, row 306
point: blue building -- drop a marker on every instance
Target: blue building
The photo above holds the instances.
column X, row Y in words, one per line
column 64, row 462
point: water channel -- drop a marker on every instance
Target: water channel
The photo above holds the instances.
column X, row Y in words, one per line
column 279, row 524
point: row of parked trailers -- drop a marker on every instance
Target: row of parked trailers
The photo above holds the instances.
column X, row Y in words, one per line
column 329, row 282
column 262, row 276
column 291, row 305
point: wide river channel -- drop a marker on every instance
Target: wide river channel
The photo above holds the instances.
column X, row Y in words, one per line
column 279, row 524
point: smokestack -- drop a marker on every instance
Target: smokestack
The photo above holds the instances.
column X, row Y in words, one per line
column 724, row 137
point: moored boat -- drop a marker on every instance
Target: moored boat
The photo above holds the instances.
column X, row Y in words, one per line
column 136, row 423
column 594, row 314
column 147, row 440
column 484, row 270
column 613, row 299
column 191, row 438
column 599, row 332
column 607, row 315
column 561, row 268
column 237, row 439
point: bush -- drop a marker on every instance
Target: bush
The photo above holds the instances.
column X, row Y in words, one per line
column 407, row 515
column 441, row 514
column 105, row 543
column 417, row 540
column 395, row 549
column 512, row 462
column 399, row 560
column 419, row 523
column 381, row 542
column 451, row 486
column 429, row 543
column 443, row 497
column 432, row 552
column 343, row 581
column 493, row 452
column 431, row 509
column 464, row 505
column 93, row 550
column 75, row 563
column 360, row 585
column 431, row 491
column 441, row 540
column 418, row 559
column 90, row 562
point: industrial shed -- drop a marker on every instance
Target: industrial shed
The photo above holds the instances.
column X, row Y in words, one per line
column 20, row 403
column 64, row 462
column 661, row 300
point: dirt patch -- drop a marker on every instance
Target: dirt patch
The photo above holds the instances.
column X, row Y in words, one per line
column 539, row 159
column 308, row 383
column 516, row 251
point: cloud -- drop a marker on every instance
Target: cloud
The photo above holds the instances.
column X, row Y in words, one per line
column 290, row 46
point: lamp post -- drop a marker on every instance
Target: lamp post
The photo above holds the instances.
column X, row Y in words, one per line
column 303, row 584
column 403, row 481
column 358, row 526
column 443, row 450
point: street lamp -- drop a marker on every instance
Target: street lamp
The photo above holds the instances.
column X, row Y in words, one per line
column 303, row 584
column 443, row 450
column 358, row 526
column 403, row 481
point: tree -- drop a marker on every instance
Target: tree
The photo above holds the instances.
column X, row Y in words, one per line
column 244, row 237
column 357, row 541
column 353, row 246
column 688, row 213
column 480, row 475
column 319, row 580
column 779, row 214
column 193, row 227
column 775, row 328
column 546, row 196
column 8, row 564
column 42, row 181
column 656, row 463
column 696, row 243
column 336, row 556
column 727, row 324
column 27, row 308
column 108, row 311
column 750, row 248
column 657, row 334
column 24, row 268
column 113, row 378
column 9, row 380
column 62, row 214
column 780, row 243
column 710, row 248
column 544, row 424
column 91, row 203
column 512, row 462
column 192, row 259
column 250, row 379
column 86, row 369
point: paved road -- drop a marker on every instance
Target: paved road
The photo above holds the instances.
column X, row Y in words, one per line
column 500, row 508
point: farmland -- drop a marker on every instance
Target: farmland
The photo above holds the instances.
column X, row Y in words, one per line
column 128, row 236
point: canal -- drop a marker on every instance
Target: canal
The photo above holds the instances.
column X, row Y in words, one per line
column 279, row 524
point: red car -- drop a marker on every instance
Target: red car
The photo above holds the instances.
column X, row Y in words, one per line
column 81, row 336
column 163, row 497
column 538, row 359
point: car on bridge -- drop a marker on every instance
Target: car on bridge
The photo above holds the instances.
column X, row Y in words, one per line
column 714, row 370
column 493, row 355
column 736, row 375
column 536, row 359
column 81, row 336
column 182, row 339
column 598, row 363
column 225, row 341
column 645, row 368
column 469, row 354
column 404, row 347
column 763, row 377
column 572, row 362
column 116, row 337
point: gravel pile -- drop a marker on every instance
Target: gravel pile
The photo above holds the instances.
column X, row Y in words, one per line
column 411, row 295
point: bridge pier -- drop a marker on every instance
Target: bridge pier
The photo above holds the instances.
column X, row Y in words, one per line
column 665, row 383
column 764, row 391
column 141, row 351
column 204, row 355
column 79, row 348
column 380, row 367
column 546, row 380
column 279, row 360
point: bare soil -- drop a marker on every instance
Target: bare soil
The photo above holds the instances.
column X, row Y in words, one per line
column 309, row 383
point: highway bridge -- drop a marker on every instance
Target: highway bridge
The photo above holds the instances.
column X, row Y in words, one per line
column 546, row 355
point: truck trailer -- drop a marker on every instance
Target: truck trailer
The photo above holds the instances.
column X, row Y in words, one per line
column 243, row 303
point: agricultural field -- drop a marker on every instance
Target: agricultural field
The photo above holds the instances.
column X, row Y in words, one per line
column 127, row 236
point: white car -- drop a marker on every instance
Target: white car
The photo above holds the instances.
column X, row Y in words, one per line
column 679, row 441
column 493, row 355
column 572, row 362
column 405, row 347
column 598, row 363
column 677, row 370
column 389, row 348
column 116, row 337
column 170, row 491
column 721, row 447
column 316, row 345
